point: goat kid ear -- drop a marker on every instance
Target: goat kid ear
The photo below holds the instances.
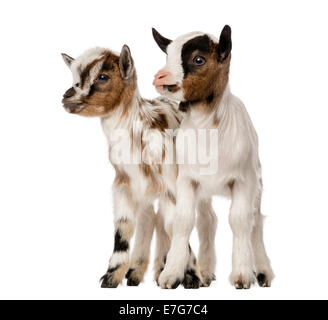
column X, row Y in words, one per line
column 67, row 59
column 225, row 43
column 126, row 63
column 160, row 40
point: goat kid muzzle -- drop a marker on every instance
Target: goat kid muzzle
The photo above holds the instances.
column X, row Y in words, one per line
column 163, row 81
column 69, row 104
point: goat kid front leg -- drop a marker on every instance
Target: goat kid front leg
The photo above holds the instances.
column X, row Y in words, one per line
column 242, row 221
column 206, row 226
column 124, row 228
column 181, row 265
column 140, row 256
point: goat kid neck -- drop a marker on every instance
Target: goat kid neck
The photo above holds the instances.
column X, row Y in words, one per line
column 206, row 114
column 124, row 115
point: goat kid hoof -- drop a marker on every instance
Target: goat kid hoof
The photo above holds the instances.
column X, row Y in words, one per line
column 243, row 281
column 207, row 280
column 191, row 280
column 108, row 281
column 263, row 280
column 242, row 285
column 157, row 274
column 169, row 282
column 133, row 279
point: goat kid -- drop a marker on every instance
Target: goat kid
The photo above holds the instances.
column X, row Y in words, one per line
column 197, row 75
column 105, row 85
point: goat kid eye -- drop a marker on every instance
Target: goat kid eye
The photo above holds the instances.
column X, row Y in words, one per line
column 199, row 60
column 103, row 77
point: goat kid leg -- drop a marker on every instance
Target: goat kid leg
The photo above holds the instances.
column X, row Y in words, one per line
column 139, row 259
column 206, row 226
column 264, row 273
column 241, row 221
column 124, row 229
column 180, row 267
column 162, row 238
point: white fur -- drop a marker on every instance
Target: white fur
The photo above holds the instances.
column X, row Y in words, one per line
column 238, row 162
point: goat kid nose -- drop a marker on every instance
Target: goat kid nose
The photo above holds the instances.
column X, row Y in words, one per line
column 161, row 78
column 161, row 74
column 69, row 93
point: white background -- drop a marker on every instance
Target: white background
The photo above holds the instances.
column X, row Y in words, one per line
column 56, row 232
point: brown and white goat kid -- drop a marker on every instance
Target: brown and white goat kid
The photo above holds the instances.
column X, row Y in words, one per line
column 105, row 85
column 197, row 74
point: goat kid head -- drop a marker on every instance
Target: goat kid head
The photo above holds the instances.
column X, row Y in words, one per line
column 102, row 80
column 197, row 66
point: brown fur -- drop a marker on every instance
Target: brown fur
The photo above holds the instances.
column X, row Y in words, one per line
column 111, row 94
column 209, row 80
column 121, row 177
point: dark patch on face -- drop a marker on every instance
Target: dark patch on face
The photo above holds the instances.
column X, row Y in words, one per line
column 210, row 98
column 92, row 90
column 107, row 66
column 69, row 93
column 86, row 71
column 201, row 44
column 120, row 244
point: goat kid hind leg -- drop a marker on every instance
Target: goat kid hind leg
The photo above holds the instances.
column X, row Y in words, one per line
column 139, row 259
column 181, row 265
column 124, row 209
column 264, row 273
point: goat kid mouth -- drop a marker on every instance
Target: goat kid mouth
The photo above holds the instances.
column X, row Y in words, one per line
column 168, row 87
column 73, row 107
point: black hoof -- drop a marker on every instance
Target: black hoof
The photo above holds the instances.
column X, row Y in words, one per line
column 176, row 284
column 132, row 280
column 262, row 280
column 191, row 280
column 107, row 281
